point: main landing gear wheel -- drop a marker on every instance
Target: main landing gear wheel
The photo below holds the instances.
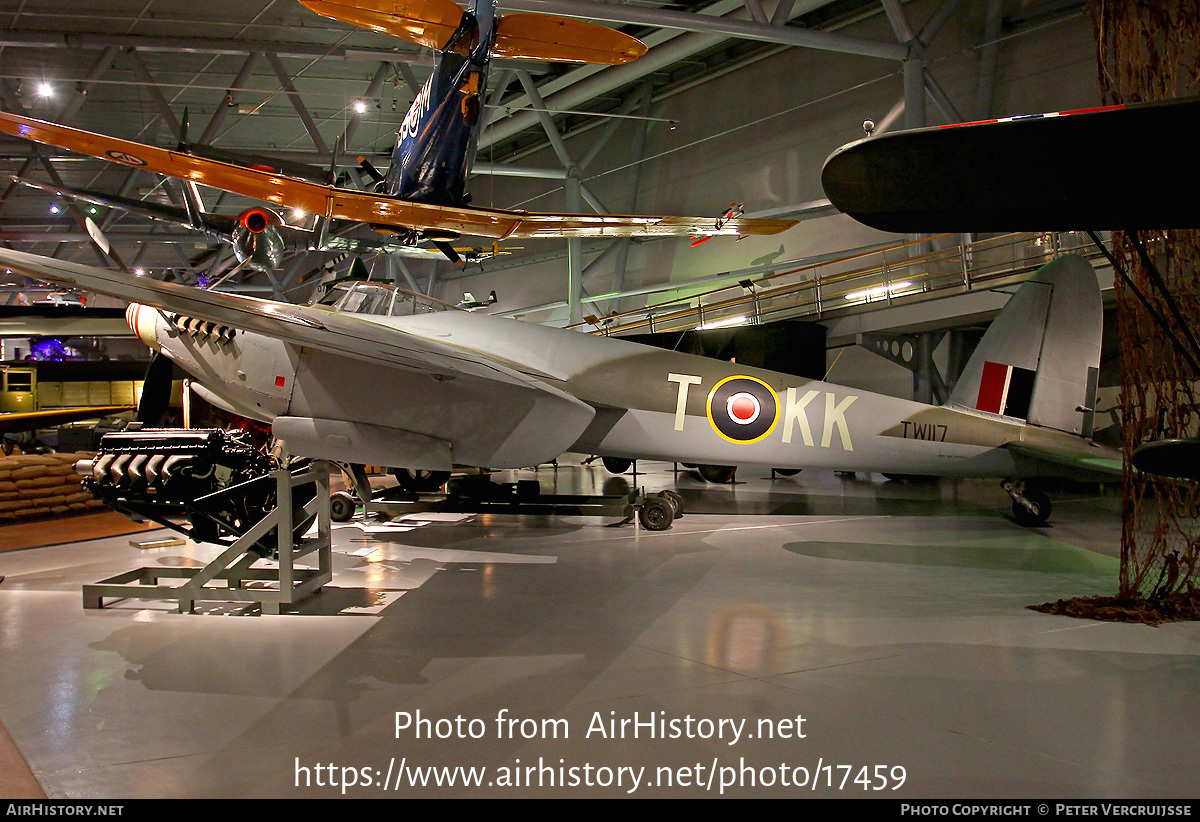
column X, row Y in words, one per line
column 341, row 506
column 786, row 472
column 616, row 465
column 717, row 474
column 418, row 481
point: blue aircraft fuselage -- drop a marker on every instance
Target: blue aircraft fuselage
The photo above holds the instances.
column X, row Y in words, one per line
column 436, row 141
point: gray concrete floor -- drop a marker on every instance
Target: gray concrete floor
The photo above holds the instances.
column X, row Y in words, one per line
column 890, row 616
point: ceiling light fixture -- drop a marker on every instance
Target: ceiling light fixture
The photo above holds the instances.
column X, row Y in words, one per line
column 725, row 323
column 878, row 291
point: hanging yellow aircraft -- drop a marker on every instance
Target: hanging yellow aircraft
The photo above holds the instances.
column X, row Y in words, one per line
column 423, row 195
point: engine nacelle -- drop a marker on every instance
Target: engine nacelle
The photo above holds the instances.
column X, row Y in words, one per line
column 256, row 238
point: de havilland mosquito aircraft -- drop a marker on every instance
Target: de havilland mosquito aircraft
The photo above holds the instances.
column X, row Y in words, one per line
column 361, row 375
column 423, row 196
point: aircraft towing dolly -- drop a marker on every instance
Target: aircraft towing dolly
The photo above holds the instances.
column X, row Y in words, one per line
column 479, row 495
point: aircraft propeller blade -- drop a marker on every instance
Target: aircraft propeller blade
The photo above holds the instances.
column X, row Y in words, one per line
column 369, row 169
column 331, row 175
column 183, row 128
column 448, row 250
column 156, row 391
column 102, row 243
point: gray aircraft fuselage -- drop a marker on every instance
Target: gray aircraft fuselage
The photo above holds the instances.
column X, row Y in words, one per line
column 648, row 403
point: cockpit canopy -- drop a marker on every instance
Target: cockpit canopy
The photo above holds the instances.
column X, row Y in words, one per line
column 378, row 299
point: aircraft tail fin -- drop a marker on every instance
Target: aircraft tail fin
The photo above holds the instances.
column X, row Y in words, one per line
column 1039, row 360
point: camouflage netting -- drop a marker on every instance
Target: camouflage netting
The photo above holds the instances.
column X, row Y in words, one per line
column 1149, row 51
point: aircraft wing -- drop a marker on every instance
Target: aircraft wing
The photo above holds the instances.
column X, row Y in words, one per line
column 1039, row 460
column 977, row 177
column 223, row 225
column 558, row 417
column 220, row 224
column 341, row 204
column 29, row 420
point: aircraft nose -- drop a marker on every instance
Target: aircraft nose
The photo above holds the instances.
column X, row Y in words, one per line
column 142, row 319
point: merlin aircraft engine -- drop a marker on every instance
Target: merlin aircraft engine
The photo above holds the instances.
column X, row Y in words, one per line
column 212, row 477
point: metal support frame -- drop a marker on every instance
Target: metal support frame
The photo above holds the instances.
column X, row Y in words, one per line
column 574, row 189
column 156, row 95
column 76, row 214
column 274, row 588
column 218, row 119
column 289, row 88
column 574, row 251
column 371, row 94
column 993, row 27
column 915, row 353
column 725, row 26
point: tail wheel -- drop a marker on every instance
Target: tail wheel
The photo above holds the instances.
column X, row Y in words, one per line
column 417, row 480
column 1037, row 517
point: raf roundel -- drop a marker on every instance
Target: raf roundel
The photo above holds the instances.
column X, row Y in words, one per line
column 743, row 409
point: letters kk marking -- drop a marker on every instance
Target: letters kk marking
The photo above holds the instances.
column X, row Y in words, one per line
column 746, row 410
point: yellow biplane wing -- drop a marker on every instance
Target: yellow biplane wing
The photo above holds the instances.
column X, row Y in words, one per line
column 430, row 23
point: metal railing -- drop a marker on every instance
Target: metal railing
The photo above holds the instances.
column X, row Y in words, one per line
column 900, row 274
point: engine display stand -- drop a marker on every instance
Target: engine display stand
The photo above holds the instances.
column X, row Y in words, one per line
column 273, row 587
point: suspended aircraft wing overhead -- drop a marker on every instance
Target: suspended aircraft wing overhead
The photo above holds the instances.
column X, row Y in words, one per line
column 341, row 204
column 1040, row 172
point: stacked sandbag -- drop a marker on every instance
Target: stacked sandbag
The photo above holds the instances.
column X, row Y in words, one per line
column 40, row 485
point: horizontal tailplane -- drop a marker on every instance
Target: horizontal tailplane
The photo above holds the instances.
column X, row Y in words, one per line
column 427, row 23
column 546, row 37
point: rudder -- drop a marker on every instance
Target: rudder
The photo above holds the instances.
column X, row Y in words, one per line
column 1039, row 360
